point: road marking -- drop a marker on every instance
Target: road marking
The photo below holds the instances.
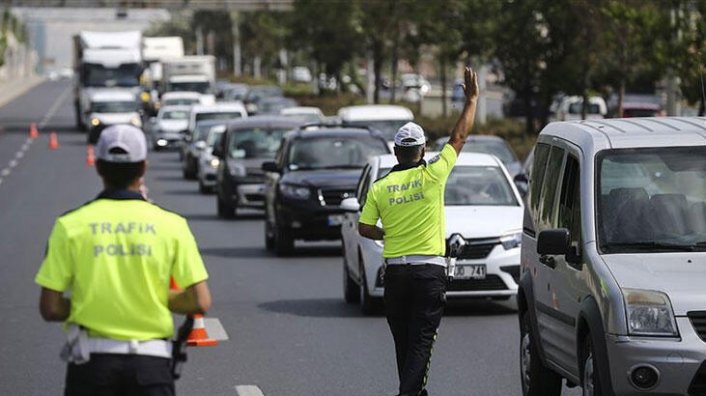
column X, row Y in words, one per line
column 55, row 107
column 28, row 143
column 248, row 390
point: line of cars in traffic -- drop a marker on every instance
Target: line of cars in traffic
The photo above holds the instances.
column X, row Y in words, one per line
column 310, row 174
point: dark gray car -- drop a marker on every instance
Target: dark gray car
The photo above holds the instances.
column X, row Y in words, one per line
column 247, row 144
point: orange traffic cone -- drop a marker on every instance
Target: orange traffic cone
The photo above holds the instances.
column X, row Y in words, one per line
column 33, row 131
column 53, row 141
column 90, row 156
column 199, row 335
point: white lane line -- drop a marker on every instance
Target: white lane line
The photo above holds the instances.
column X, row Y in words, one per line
column 47, row 117
column 248, row 390
column 55, row 107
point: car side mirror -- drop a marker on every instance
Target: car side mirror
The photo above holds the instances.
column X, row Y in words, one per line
column 553, row 242
column 270, row 166
column 522, row 183
column 350, row 205
column 217, row 151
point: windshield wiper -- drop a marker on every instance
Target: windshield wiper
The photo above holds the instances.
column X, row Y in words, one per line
column 653, row 246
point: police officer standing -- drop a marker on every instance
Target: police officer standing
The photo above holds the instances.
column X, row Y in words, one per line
column 410, row 203
column 116, row 255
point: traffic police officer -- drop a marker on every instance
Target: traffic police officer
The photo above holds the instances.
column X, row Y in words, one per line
column 410, row 203
column 116, row 255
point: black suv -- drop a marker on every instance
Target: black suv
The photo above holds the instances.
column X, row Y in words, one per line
column 315, row 168
column 248, row 143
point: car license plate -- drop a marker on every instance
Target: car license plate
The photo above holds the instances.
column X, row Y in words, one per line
column 470, row 271
column 335, row 220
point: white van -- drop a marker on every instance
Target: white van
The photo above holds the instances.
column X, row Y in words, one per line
column 385, row 118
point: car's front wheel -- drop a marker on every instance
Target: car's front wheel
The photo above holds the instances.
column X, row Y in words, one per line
column 351, row 290
column 269, row 238
column 536, row 378
column 591, row 381
column 284, row 243
column 225, row 210
column 369, row 305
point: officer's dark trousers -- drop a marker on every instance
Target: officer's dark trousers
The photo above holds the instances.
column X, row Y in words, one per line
column 414, row 303
column 120, row 375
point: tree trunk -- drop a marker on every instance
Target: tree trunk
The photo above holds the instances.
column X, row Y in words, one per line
column 395, row 45
column 529, row 111
column 444, row 110
column 621, row 97
column 377, row 69
column 702, row 106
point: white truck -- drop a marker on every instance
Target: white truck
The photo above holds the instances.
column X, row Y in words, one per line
column 189, row 73
column 105, row 60
column 156, row 50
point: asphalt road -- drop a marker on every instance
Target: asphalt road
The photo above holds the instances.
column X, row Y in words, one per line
column 290, row 331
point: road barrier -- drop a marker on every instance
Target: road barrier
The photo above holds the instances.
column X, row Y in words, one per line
column 33, row 131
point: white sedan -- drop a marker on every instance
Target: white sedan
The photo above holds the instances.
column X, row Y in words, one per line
column 482, row 205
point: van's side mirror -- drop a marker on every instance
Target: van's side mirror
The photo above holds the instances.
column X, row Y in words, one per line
column 217, row 151
column 522, row 183
column 270, row 166
column 553, row 242
column 350, row 205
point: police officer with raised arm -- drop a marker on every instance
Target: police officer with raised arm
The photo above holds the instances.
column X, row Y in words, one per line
column 409, row 202
column 116, row 255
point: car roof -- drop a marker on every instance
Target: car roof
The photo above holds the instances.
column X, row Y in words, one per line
column 219, row 107
column 595, row 135
column 464, row 159
column 267, row 121
column 472, row 138
column 175, row 108
column 106, row 95
column 375, row 113
column 180, row 94
column 296, row 110
column 210, row 123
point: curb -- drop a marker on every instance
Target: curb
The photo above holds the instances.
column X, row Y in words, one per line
column 14, row 89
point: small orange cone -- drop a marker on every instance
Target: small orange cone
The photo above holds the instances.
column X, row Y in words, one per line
column 199, row 335
column 90, row 156
column 33, row 131
column 53, row 141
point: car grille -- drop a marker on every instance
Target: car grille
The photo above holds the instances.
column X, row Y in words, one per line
column 333, row 197
column 254, row 197
column 490, row 283
column 476, row 248
column 698, row 320
column 698, row 384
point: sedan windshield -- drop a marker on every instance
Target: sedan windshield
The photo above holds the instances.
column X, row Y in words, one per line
column 201, row 131
column 333, row 152
column 217, row 116
column 497, row 148
column 200, row 87
column 652, row 200
column 180, row 102
column 255, row 143
column 475, row 186
column 114, row 107
column 175, row 115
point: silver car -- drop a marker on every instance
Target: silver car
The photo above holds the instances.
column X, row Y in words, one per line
column 611, row 295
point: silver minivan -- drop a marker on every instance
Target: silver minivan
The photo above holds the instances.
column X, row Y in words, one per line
column 612, row 293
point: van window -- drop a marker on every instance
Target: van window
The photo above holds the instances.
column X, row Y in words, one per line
column 570, row 200
column 549, row 186
column 541, row 155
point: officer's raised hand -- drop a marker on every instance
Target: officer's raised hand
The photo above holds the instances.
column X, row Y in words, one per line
column 468, row 115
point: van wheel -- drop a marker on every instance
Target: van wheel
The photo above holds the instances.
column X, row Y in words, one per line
column 536, row 378
column 350, row 288
column 592, row 384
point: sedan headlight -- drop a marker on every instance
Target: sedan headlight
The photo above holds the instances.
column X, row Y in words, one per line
column 95, row 122
column 214, row 162
column 511, row 240
column 294, row 191
column 136, row 121
column 649, row 313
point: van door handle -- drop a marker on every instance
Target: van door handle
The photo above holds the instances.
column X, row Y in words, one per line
column 548, row 261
